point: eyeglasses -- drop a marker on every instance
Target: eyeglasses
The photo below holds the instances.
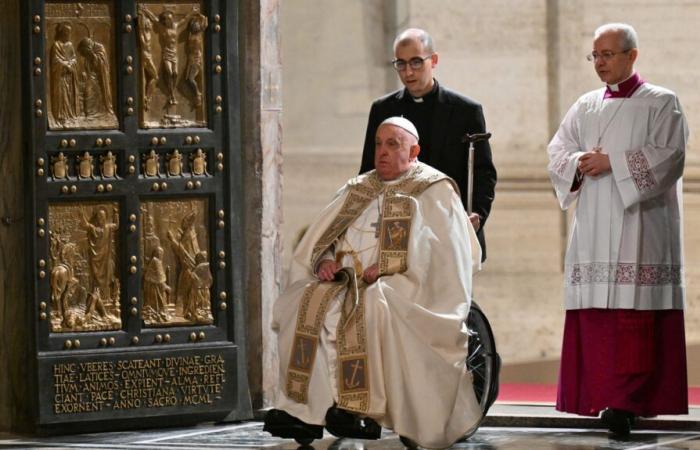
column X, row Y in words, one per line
column 415, row 63
column 605, row 55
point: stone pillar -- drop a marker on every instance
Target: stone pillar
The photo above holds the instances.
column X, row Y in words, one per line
column 553, row 19
column 16, row 401
column 261, row 136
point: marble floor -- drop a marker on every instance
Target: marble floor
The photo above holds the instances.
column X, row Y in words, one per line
column 249, row 435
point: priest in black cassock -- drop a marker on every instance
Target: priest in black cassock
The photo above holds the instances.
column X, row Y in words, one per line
column 442, row 118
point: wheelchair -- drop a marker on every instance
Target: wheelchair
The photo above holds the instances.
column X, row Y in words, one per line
column 483, row 361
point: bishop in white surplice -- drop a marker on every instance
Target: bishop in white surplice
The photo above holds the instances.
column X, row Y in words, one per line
column 625, row 245
column 619, row 155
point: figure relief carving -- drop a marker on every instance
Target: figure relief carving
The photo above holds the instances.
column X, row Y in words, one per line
column 59, row 167
column 108, row 165
column 85, row 288
column 195, row 47
column 80, row 49
column 175, row 163
column 85, row 168
column 198, row 161
column 151, row 164
column 172, row 97
column 177, row 277
column 149, row 73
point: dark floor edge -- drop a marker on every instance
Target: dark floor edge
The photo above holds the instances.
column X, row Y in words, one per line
column 542, row 421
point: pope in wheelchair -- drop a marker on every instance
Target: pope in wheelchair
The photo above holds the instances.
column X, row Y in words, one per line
column 372, row 329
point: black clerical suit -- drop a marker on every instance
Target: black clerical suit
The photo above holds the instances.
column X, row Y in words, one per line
column 442, row 118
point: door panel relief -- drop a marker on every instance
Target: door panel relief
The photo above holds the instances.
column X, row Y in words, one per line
column 171, row 48
column 177, row 278
column 84, row 280
column 80, row 55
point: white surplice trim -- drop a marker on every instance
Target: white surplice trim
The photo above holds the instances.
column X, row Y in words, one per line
column 624, row 273
column 642, row 176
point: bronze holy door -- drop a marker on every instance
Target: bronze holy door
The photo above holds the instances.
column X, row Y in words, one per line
column 133, row 177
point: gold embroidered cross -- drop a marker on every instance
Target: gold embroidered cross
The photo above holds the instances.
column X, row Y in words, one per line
column 352, row 383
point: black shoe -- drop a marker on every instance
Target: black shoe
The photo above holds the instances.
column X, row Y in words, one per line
column 618, row 422
column 341, row 423
column 281, row 424
column 408, row 443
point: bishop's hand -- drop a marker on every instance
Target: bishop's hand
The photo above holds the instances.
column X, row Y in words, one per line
column 327, row 270
column 594, row 163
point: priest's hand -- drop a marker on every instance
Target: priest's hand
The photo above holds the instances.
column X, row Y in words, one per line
column 327, row 270
column 594, row 163
column 371, row 274
column 475, row 220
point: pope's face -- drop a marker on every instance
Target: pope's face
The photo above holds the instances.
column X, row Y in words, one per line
column 393, row 152
column 418, row 81
column 614, row 63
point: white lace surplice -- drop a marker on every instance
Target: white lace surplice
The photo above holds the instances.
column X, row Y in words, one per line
column 625, row 247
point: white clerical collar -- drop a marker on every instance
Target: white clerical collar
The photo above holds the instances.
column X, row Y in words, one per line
column 421, row 99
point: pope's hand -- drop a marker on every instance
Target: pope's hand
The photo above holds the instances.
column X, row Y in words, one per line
column 371, row 274
column 327, row 270
column 594, row 163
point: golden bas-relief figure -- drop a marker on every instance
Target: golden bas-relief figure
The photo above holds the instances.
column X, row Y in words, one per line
column 85, row 287
column 80, row 52
column 108, row 165
column 59, row 167
column 175, row 163
column 172, row 93
column 177, row 278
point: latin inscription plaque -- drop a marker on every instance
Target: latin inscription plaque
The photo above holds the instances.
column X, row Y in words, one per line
column 95, row 386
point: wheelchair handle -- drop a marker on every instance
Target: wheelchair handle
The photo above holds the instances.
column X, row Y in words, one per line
column 471, row 139
column 476, row 137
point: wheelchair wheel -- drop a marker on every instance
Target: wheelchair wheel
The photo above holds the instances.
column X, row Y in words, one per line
column 482, row 360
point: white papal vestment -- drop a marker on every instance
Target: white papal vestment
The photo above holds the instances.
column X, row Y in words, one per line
column 416, row 340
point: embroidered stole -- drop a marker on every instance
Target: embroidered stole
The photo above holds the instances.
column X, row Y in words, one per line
column 397, row 214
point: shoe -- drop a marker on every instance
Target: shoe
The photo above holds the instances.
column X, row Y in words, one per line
column 342, row 423
column 619, row 422
column 408, row 443
column 281, row 424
